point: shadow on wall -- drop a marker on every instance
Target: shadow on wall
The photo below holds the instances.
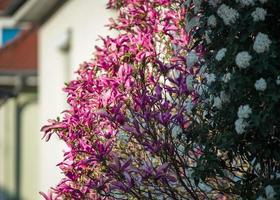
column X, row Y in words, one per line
column 4, row 195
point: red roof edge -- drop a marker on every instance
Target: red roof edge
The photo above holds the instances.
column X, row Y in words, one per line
column 22, row 53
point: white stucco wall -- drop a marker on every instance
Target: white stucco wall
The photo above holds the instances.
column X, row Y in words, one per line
column 29, row 148
column 7, row 147
column 86, row 20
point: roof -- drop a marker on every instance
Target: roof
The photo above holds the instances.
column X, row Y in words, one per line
column 4, row 4
column 21, row 54
column 9, row 7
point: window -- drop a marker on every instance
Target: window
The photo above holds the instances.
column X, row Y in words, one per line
column 8, row 34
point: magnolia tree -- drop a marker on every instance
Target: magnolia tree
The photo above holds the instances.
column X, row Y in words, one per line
column 164, row 111
column 128, row 109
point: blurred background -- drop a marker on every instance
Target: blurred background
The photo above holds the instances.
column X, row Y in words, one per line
column 42, row 43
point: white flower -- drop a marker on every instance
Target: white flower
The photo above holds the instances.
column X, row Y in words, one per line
column 207, row 36
column 212, row 21
column 193, row 22
column 189, row 106
column 221, row 54
column 191, row 58
column 263, row 1
column 224, row 97
column 176, row 130
column 174, row 73
column 189, row 82
column 226, row 78
column 259, row 14
column 243, row 59
column 260, row 85
column 202, row 89
column 278, row 80
column 261, row 198
column 210, row 78
column 262, row 43
column 214, row 3
column 244, row 111
column 246, row 2
column 269, row 192
column 217, row 102
column 197, row 4
column 229, row 15
column 240, row 126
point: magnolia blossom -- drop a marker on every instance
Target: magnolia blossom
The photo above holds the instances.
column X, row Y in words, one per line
column 240, row 125
column 246, row 2
column 243, row 59
column 108, row 86
column 244, row 112
column 212, row 21
column 260, row 84
column 262, row 43
column 221, row 54
column 259, row 14
column 229, row 15
column 269, row 192
column 226, row 78
column 191, row 58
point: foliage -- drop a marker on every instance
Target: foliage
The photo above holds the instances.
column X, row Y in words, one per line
column 241, row 131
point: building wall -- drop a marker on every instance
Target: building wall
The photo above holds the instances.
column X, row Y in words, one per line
column 28, row 104
column 30, row 143
column 65, row 41
column 7, row 148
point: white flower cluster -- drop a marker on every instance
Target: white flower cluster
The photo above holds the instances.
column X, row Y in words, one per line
column 221, row 54
column 217, row 102
column 212, row 21
column 229, row 15
column 192, row 58
column 214, row 3
column 263, row 1
column 224, row 97
column 207, row 36
column 243, row 59
column 259, row 14
column 269, row 193
column 210, row 78
column 278, row 80
column 240, row 126
column 189, row 82
column 197, row 4
column 246, row 2
column 262, row 43
column 243, row 113
column 261, row 85
column 226, row 78
column 189, row 106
